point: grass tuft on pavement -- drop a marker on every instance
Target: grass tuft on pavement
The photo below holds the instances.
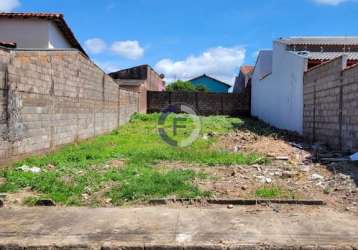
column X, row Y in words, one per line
column 273, row 191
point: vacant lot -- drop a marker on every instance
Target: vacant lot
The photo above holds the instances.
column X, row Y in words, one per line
column 118, row 167
column 233, row 158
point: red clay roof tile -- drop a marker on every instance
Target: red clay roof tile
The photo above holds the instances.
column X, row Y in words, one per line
column 246, row 69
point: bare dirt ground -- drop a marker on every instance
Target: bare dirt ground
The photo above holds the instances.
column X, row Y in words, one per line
column 292, row 170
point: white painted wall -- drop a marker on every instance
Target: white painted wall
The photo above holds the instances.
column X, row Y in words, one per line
column 26, row 33
column 56, row 39
column 265, row 66
column 32, row 34
column 278, row 98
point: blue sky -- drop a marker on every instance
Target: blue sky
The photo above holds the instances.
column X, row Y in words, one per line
column 185, row 38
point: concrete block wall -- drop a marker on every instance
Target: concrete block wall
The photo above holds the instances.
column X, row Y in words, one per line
column 330, row 105
column 4, row 60
column 59, row 97
column 204, row 103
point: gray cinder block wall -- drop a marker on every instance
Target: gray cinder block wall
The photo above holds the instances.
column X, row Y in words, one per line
column 204, row 103
column 51, row 98
column 331, row 105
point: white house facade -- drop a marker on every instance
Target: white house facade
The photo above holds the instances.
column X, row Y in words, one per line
column 37, row 31
column 277, row 81
column 277, row 96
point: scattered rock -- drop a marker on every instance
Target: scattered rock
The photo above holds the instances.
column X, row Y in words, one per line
column 211, row 134
column 244, row 188
column 1, row 203
column 282, row 158
column 258, row 168
column 276, row 209
column 51, row 167
column 233, row 173
column 85, row 196
column 343, row 176
column 321, row 185
column 305, row 168
column 289, row 174
column 296, row 145
column 264, row 179
column 230, row 206
column 26, row 168
column 277, row 173
column 327, row 191
column 236, row 148
column 316, row 177
column 45, row 203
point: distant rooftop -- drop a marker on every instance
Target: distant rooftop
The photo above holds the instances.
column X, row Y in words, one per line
column 246, row 69
column 320, row 40
column 325, row 56
column 7, row 44
column 135, row 73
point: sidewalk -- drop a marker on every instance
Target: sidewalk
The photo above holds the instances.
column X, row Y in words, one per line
column 177, row 228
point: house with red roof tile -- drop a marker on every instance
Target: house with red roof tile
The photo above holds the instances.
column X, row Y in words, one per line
column 36, row 31
column 243, row 80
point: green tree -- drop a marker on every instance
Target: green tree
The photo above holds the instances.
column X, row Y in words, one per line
column 201, row 88
column 185, row 86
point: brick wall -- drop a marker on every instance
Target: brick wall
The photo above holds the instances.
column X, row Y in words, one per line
column 331, row 105
column 204, row 103
column 57, row 97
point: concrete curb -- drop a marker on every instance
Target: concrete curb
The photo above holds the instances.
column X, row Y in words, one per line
column 144, row 246
column 241, row 202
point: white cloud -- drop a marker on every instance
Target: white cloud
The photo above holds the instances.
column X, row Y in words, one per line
column 128, row 49
column 96, row 45
column 108, row 66
column 331, row 2
column 217, row 62
column 9, row 5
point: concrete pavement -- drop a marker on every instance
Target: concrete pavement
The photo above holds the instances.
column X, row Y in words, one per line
column 177, row 228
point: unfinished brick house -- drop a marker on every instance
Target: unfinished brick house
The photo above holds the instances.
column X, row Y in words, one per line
column 140, row 79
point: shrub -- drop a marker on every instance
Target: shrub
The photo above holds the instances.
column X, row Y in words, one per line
column 186, row 86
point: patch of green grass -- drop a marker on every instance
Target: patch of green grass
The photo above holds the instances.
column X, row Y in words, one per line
column 149, row 183
column 31, row 201
column 273, row 192
column 78, row 167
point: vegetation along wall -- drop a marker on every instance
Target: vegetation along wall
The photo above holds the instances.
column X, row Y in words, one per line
column 51, row 98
